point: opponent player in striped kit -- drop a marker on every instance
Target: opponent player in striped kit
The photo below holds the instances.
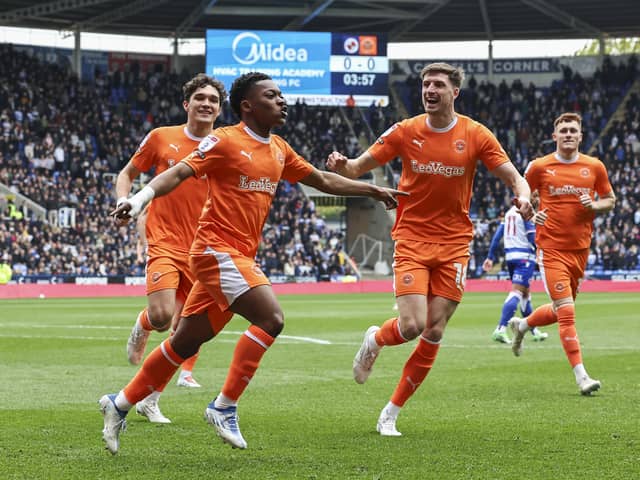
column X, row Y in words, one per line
column 170, row 225
column 520, row 255
column 243, row 164
column 439, row 152
column 568, row 182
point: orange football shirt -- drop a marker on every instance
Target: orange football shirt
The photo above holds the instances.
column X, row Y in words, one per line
column 173, row 218
column 560, row 183
column 438, row 167
column 243, row 170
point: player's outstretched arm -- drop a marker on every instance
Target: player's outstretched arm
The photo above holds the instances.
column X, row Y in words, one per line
column 159, row 186
column 516, row 182
column 124, row 180
column 335, row 184
column 351, row 168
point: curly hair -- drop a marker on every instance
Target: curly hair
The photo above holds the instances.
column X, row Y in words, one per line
column 241, row 87
column 202, row 80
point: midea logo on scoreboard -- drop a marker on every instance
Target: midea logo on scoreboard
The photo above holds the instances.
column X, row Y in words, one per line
column 248, row 48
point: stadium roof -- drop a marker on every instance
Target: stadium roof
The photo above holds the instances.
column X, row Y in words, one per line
column 402, row 20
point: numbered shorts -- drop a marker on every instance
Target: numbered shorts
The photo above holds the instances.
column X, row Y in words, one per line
column 221, row 277
column 430, row 269
column 562, row 271
column 521, row 271
column 170, row 273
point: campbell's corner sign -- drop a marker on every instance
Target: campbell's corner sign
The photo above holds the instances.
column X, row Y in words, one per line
column 500, row 66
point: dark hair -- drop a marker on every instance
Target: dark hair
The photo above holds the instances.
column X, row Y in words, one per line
column 455, row 74
column 202, row 80
column 241, row 87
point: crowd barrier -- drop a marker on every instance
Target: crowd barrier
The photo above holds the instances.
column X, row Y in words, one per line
column 33, row 290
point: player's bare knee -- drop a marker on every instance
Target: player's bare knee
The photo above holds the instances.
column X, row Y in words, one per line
column 410, row 327
column 271, row 322
column 185, row 346
column 160, row 318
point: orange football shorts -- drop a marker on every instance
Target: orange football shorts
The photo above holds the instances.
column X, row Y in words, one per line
column 174, row 273
column 430, row 269
column 562, row 271
column 222, row 276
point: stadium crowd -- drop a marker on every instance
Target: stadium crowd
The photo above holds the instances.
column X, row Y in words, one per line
column 62, row 141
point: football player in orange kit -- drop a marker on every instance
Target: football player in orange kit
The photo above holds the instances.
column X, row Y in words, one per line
column 170, row 225
column 243, row 164
column 439, row 151
column 567, row 182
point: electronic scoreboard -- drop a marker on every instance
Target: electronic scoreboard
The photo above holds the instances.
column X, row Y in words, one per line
column 320, row 68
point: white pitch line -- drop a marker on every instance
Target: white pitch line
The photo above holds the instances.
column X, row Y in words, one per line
column 113, row 327
column 289, row 339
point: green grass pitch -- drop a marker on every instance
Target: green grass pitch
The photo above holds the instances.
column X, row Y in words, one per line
column 480, row 414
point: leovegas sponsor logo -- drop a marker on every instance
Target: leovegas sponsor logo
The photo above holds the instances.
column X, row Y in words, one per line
column 264, row 184
column 437, row 168
column 568, row 190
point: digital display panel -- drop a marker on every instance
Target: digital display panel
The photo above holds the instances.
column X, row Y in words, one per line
column 320, row 68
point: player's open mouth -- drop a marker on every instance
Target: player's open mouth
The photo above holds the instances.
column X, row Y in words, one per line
column 283, row 113
column 432, row 101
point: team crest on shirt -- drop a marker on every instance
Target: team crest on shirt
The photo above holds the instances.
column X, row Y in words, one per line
column 460, row 145
column 407, row 279
column 279, row 155
column 584, row 172
column 206, row 144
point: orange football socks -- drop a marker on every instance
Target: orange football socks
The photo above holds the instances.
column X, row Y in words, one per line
column 156, row 371
column 144, row 320
column 246, row 358
column 541, row 316
column 389, row 334
column 190, row 362
column 415, row 370
column 568, row 334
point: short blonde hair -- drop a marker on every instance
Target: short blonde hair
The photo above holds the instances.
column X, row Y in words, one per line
column 568, row 117
column 455, row 74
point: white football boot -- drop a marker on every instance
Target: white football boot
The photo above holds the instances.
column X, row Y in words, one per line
column 114, row 422
column 518, row 336
column 149, row 408
column 365, row 358
column 137, row 343
column 588, row 385
column 387, row 425
column 225, row 422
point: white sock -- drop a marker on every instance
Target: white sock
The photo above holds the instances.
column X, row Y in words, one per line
column 122, row 403
column 185, row 373
column 154, row 396
column 373, row 345
column 579, row 371
column 224, row 402
column 392, row 410
column 523, row 326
